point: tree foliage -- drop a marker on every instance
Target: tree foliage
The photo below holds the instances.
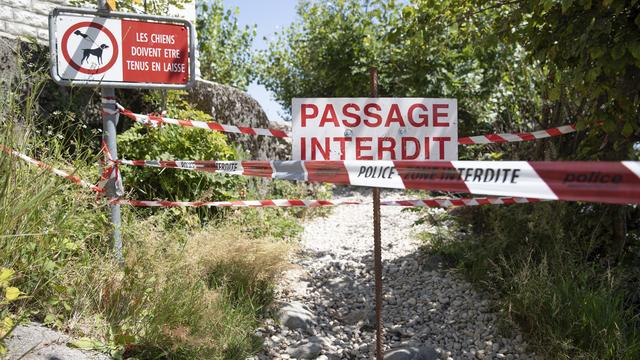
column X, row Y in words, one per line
column 224, row 46
column 512, row 65
column 590, row 54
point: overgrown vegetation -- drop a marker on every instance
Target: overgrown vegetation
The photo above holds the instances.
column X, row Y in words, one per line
column 568, row 272
column 224, row 46
column 194, row 285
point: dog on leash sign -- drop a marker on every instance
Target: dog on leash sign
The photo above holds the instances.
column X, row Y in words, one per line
column 90, row 48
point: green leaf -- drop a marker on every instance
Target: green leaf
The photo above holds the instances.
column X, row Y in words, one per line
column 407, row 12
column 85, row 344
column 618, row 51
column 566, row 4
column 634, row 49
column 554, row 93
column 609, row 126
column 5, row 276
column 11, row 293
column 7, row 324
column 547, row 4
column 627, row 130
column 581, row 124
column 597, row 52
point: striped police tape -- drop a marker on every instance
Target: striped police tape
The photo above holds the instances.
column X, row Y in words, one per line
column 433, row 203
column 438, row 202
column 152, row 120
column 238, row 203
column 51, row 169
column 519, row 181
column 608, row 182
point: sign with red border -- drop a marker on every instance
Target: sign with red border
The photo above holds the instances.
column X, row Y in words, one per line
column 120, row 50
column 375, row 129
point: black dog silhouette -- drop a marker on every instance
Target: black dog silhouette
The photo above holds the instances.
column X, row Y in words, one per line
column 97, row 52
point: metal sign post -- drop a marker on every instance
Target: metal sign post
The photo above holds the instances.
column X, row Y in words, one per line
column 109, row 123
column 377, row 246
column 111, row 50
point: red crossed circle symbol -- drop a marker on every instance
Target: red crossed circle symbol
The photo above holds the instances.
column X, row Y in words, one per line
column 67, row 57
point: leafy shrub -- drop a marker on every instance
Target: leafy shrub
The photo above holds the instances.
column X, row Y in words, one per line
column 562, row 276
column 177, row 143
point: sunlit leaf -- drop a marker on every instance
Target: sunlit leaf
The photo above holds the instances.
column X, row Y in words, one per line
column 5, row 276
column 11, row 293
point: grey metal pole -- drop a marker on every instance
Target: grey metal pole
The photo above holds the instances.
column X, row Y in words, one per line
column 113, row 187
column 377, row 242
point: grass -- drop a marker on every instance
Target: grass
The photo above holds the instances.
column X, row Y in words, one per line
column 189, row 288
column 549, row 264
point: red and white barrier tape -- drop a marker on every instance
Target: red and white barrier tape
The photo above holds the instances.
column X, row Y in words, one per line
column 51, row 169
column 442, row 203
column 609, row 182
column 151, row 120
column 434, row 203
column 517, row 137
column 239, row 203
column 455, row 202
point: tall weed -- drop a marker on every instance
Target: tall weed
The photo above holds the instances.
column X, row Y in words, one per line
column 187, row 291
column 549, row 263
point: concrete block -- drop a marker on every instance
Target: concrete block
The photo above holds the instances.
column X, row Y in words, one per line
column 5, row 12
column 21, row 29
column 30, row 18
column 20, row 4
column 43, row 7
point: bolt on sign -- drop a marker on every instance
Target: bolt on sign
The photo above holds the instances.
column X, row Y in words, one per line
column 375, row 129
column 92, row 48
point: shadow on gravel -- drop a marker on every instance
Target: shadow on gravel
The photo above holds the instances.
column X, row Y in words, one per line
column 424, row 306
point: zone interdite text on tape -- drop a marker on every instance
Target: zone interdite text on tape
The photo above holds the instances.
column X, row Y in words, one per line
column 608, row 182
column 618, row 193
column 436, row 202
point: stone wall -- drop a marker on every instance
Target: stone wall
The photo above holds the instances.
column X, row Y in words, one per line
column 27, row 18
column 229, row 105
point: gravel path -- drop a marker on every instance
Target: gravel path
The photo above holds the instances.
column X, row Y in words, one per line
column 327, row 306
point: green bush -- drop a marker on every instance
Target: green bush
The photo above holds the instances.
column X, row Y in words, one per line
column 177, row 143
column 558, row 269
column 186, row 291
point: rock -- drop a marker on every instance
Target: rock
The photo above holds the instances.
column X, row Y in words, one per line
column 305, row 351
column 229, row 105
column 412, row 353
column 295, row 315
column 36, row 342
column 356, row 316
